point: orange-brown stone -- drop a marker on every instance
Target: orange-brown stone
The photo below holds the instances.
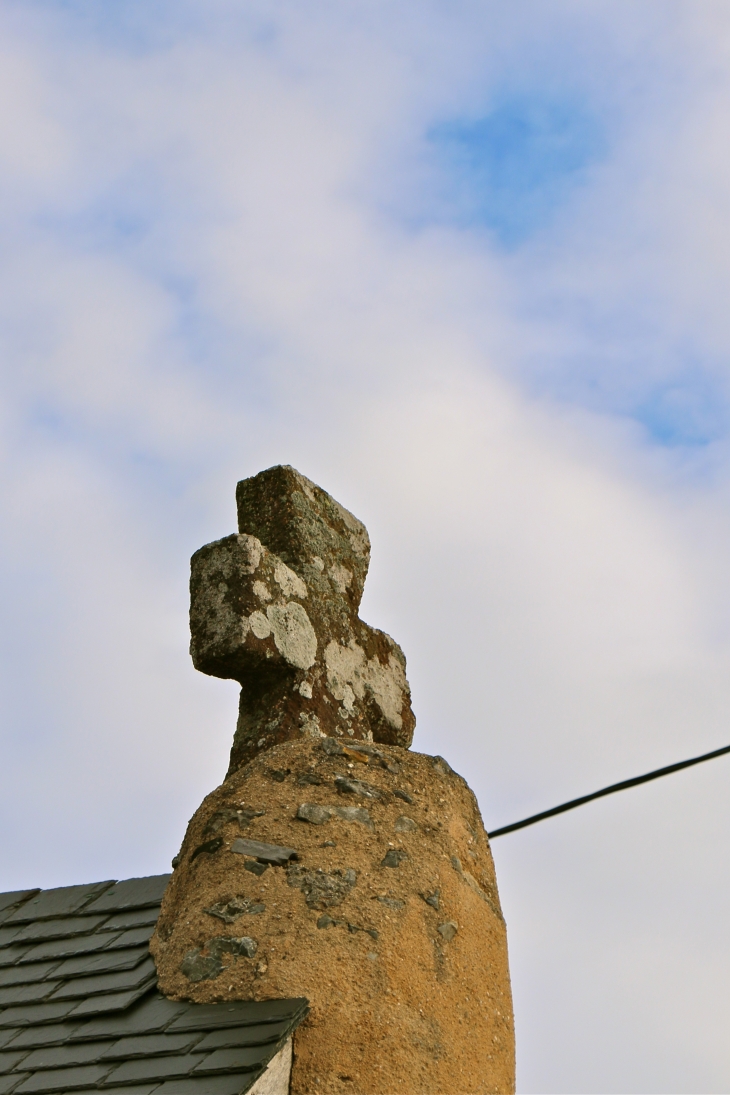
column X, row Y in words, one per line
column 404, row 966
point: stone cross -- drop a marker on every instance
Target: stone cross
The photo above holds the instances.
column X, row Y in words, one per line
column 275, row 607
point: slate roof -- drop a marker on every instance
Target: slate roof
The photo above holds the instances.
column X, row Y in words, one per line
column 80, row 1010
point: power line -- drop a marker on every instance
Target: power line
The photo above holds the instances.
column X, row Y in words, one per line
column 607, row 791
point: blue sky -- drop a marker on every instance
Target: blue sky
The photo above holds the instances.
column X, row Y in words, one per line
column 465, row 265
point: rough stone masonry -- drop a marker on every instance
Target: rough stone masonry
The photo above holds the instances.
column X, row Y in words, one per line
column 333, row 862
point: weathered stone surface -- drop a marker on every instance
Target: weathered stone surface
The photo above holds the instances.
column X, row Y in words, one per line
column 322, row 889
column 448, row 930
column 347, row 786
column 405, row 824
column 266, row 853
column 315, row 815
column 275, row 608
column 394, row 857
column 197, row 965
column 438, row 1011
column 229, row 911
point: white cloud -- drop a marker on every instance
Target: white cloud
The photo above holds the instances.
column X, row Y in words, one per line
column 205, row 274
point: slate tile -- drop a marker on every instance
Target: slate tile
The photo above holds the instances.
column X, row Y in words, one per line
column 150, row 1045
column 11, row 898
column 62, row 1079
column 134, row 1089
column 133, row 918
column 62, row 901
column 26, row 994
column 68, row 948
column 133, row 893
column 105, row 962
column 23, row 975
column 240, row 1059
column 51, row 1012
column 116, row 1001
column 59, row 929
column 135, row 937
column 10, row 1082
column 151, row 1014
column 78, row 1053
column 146, row 1069
column 51, row 1035
column 8, row 1061
column 209, row 1085
column 12, row 954
column 7, row 1036
column 238, row 1013
column 8, row 935
column 242, row 1036
column 83, row 987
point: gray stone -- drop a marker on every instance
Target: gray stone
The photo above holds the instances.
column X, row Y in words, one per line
column 347, row 786
column 326, row 921
column 210, row 847
column 448, row 930
column 275, row 607
column 255, row 867
column 242, row 815
column 274, row 854
column 315, row 815
column 229, row 911
column 305, row 779
column 322, row 889
column 392, row 902
column 199, row 967
column 404, row 795
column 405, row 824
column 353, row 813
column 433, row 899
column 244, row 946
column 394, row 857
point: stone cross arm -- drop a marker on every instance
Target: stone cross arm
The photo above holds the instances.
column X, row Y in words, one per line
column 275, row 607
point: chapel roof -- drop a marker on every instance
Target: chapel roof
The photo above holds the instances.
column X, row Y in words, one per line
column 80, row 1009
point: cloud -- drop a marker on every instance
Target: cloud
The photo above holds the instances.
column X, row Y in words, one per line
column 222, row 251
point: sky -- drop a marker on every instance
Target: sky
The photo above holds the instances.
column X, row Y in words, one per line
column 466, row 265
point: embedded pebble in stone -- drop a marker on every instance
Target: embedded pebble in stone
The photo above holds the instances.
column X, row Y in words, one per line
column 448, row 930
column 330, row 844
column 403, row 795
column 277, row 775
column 322, row 889
column 304, row 779
column 442, row 766
column 199, row 967
column 243, row 815
column 244, row 946
column 393, row 858
column 405, row 824
column 356, row 787
column 275, row 854
column 229, row 911
column 353, row 813
column 315, row 815
column 326, row 921
column 255, row 867
column 210, row 846
column 433, row 899
column 391, row 902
